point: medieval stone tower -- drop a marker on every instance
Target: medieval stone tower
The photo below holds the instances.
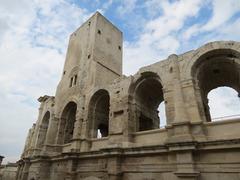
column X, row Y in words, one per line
column 101, row 125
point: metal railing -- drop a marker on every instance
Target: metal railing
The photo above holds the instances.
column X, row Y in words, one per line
column 232, row 117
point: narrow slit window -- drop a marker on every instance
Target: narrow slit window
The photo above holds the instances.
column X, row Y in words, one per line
column 75, row 79
column 71, row 82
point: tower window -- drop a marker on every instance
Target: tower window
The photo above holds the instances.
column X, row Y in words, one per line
column 71, row 82
column 75, row 79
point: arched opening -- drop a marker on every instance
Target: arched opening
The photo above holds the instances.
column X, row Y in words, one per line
column 148, row 96
column 162, row 115
column 43, row 129
column 224, row 103
column 68, row 119
column 216, row 69
column 99, row 114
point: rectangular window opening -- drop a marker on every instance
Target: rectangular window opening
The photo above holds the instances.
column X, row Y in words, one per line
column 75, row 79
column 71, row 82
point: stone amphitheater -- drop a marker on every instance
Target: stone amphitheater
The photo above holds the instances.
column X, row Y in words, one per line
column 102, row 125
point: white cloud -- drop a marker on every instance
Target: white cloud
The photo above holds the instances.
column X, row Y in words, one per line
column 222, row 12
column 107, row 4
column 190, row 31
column 159, row 38
column 223, row 102
column 127, row 6
column 174, row 15
column 231, row 30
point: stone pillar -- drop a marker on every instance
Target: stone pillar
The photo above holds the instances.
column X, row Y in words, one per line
column 25, row 170
column 185, row 166
column 44, row 170
column 114, row 168
column 59, row 136
column 180, row 129
column 34, row 142
column 120, row 123
column 19, row 170
column 76, row 141
column 50, row 141
column 81, row 126
column 31, row 143
column 169, row 105
column 191, row 102
column 27, row 143
column 85, row 143
column 180, row 110
column 79, row 118
column 52, row 130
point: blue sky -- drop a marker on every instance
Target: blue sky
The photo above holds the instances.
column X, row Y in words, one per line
column 34, row 36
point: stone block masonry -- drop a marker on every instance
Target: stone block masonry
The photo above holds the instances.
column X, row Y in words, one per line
column 102, row 125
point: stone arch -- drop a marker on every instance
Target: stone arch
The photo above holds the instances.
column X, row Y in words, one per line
column 98, row 113
column 67, row 121
column 217, row 45
column 43, row 129
column 146, row 93
column 215, row 68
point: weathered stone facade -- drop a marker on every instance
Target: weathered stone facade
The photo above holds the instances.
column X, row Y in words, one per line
column 8, row 171
column 93, row 98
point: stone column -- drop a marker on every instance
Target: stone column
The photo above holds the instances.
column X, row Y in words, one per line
column 179, row 105
column 179, row 130
column 169, row 105
column 185, row 166
column 191, row 103
column 52, row 130
column 34, row 142
column 76, row 141
column 19, row 170
column 50, row 141
column 25, row 171
column 83, row 131
column 27, row 142
column 121, row 125
column 85, row 143
column 114, row 168
column 31, row 141
column 59, row 135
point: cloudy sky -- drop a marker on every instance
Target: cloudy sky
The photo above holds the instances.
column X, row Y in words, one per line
column 34, row 36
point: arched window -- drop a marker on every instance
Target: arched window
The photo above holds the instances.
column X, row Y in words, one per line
column 215, row 69
column 68, row 119
column 43, row 129
column 224, row 103
column 99, row 114
column 148, row 96
column 162, row 114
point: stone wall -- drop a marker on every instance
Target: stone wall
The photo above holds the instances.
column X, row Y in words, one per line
column 104, row 125
column 8, row 172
